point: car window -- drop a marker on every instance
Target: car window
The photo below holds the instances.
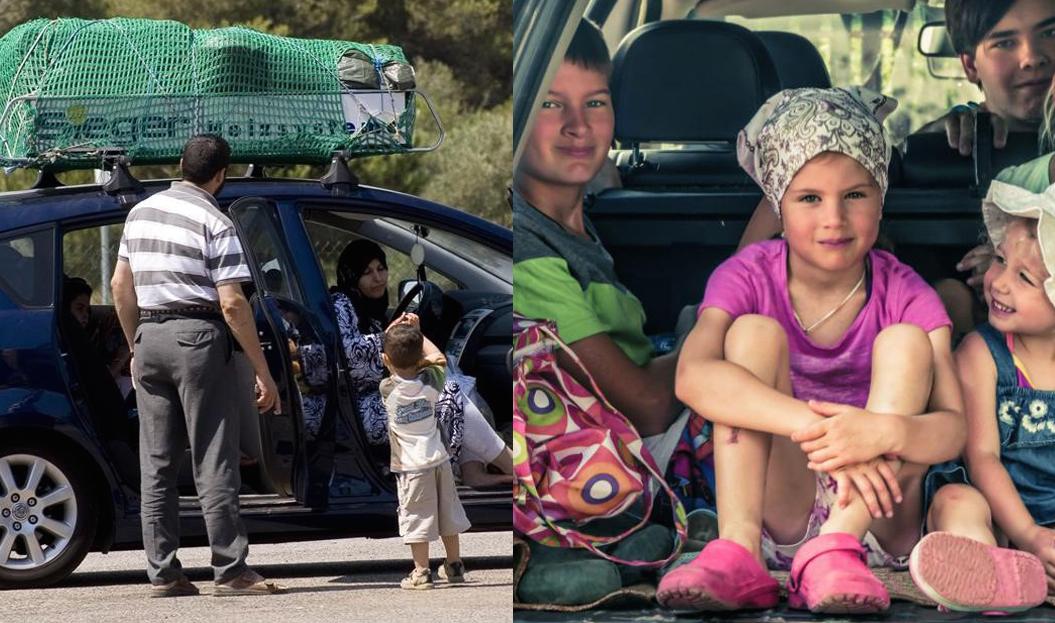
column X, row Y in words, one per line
column 490, row 259
column 262, row 242
column 330, row 240
column 90, row 254
column 539, row 28
column 877, row 51
column 27, row 273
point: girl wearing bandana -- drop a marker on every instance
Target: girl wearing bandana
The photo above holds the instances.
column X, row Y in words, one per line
column 825, row 366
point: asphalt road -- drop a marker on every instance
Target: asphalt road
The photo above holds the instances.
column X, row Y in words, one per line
column 332, row 581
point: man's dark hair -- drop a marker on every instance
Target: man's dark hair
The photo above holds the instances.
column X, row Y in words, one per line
column 588, row 49
column 969, row 21
column 204, row 156
column 403, row 345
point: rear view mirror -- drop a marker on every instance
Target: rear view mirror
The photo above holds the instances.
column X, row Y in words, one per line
column 945, row 68
column 934, row 41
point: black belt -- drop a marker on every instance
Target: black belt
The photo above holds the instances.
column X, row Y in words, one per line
column 200, row 312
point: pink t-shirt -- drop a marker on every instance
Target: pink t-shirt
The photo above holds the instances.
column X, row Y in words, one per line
column 755, row 281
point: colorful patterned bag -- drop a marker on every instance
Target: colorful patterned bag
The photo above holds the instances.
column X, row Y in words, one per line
column 691, row 469
column 577, row 457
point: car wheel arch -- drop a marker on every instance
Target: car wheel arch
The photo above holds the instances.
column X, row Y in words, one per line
column 103, row 483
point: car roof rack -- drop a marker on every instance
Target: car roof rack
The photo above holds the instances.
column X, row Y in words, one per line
column 339, row 179
column 122, row 184
column 46, row 179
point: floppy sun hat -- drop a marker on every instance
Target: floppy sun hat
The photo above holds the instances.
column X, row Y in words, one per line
column 1006, row 201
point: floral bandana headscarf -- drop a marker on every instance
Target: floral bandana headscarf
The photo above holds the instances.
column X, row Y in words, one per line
column 795, row 125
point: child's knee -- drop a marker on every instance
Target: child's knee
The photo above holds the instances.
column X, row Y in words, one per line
column 954, row 494
column 736, row 436
column 903, row 345
column 750, row 332
column 904, row 338
column 955, row 497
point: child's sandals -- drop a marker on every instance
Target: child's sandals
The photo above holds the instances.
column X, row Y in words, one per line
column 829, row 574
column 965, row 575
column 724, row 576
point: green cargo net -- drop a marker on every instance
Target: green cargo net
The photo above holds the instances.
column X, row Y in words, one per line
column 78, row 91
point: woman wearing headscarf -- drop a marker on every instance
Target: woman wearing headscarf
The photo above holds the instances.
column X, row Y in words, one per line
column 360, row 302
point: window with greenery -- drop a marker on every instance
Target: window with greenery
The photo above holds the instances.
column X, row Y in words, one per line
column 878, row 50
column 90, row 254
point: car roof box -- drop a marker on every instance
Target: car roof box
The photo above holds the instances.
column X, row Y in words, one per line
column 80, row 91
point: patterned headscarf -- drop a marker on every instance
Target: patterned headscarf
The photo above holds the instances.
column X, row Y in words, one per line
column 795, row 125
column 353, row 261
column 1006, row 201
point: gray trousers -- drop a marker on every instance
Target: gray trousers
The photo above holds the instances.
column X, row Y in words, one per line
column 184, row 374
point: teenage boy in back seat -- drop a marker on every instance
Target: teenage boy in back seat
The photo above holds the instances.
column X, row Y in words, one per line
column 1007, row 48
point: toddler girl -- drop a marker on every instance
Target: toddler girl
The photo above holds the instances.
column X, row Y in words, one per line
column 1004, row 495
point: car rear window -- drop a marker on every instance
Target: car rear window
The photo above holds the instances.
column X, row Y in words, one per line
column 27, row 268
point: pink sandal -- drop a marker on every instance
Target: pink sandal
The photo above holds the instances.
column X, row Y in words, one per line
column 724, row 576
column 829, row 574
column 965, row 575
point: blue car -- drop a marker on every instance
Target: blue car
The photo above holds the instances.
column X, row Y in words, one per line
column 68, row 467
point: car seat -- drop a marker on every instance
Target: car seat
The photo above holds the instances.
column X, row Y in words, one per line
column 797, row 61
column 692, row 82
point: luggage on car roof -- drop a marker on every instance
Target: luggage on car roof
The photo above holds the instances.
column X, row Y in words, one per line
column 78, row 89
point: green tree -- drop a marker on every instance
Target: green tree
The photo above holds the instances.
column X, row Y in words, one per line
column 14, row 12
column 474, row 172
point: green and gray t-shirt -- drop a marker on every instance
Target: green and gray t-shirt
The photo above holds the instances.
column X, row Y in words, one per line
column 1032, row 175
column 571, row 280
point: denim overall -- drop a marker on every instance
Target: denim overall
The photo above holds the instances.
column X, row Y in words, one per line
column 1026, row 421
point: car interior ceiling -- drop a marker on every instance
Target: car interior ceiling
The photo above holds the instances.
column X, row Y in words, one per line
column 674, row 9
column 387, row 234
column 687, row 204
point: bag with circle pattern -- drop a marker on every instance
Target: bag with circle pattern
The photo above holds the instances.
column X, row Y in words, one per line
column 576, row 457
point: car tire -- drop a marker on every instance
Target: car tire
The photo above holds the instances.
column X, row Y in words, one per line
column 46, row 526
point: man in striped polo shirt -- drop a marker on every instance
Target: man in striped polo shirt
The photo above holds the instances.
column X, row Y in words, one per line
column 177, row 289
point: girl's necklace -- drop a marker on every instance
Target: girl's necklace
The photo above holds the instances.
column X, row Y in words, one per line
column 832, row 311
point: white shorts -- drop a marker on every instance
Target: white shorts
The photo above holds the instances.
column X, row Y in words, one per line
column 428, row 505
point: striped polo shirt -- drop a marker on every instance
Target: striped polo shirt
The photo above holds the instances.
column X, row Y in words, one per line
column 180, row 246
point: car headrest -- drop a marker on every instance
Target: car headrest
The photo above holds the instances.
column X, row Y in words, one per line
column 798, row 63
column 930, row 163
column 687, row 81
